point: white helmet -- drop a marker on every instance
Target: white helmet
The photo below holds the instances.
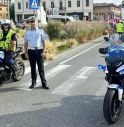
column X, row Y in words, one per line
column 5, row 21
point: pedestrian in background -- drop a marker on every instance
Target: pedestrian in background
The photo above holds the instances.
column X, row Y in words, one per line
column 34, row 47
column 119, row 28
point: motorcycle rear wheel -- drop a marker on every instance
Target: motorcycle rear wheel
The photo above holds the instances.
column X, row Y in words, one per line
column 20, row 69
column 111, row 106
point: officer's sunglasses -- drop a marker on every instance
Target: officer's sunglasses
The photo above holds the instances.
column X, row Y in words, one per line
column 32, row 21
column 5, row 24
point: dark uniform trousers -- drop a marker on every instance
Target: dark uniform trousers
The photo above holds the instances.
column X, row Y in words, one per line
column 9, row 55
column 36, row 57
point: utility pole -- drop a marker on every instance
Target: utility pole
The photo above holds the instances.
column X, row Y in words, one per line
column 8, row 4
column 23, row 7
column 65, row 9
column 40, row 12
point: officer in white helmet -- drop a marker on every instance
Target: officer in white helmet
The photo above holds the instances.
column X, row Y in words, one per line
column 8, row 42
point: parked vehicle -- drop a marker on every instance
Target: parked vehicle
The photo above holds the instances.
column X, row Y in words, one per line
column 41, row 22
column 22, row 24
column 114, row 70
column 60, row 18
column 6, row 72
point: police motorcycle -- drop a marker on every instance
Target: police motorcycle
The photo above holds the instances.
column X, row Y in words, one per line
column 6, row 72
column 114, row 70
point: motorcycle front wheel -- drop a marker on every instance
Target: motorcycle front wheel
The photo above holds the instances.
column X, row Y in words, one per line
column 111, row 106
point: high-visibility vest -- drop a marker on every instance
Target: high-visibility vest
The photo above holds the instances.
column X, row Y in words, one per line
column 119, row 27
column 6, row 44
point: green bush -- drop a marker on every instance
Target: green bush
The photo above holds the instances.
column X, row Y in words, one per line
column 80, row 30
column 72, row 28
column 53, row 29
column 62, row 47
column 63, row 35
column 50, row 51
column 72, row 43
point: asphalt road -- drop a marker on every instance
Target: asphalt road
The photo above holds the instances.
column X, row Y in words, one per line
column 75, row 98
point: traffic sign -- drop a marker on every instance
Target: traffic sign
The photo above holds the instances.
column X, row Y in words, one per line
column 33, row 4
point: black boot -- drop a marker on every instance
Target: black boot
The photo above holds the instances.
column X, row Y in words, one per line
column 45, row 87
column 32, row 85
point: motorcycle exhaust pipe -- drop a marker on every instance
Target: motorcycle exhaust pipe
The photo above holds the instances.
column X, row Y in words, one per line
column 1, row 69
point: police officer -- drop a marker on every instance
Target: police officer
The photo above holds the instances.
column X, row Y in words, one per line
column 8, row 42
column 119, row 28
column 34, row 47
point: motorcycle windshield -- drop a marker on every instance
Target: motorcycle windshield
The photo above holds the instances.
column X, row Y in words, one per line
column 115, row 53
column 116, row 42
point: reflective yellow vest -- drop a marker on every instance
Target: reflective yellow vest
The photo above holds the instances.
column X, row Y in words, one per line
column 6, row 44
column 119, row 27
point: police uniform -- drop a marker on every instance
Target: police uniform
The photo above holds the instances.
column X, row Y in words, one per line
column 119, row 28
column 5, row 41
column 35, row 39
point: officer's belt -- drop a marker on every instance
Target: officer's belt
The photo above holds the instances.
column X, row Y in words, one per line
column 35, row 48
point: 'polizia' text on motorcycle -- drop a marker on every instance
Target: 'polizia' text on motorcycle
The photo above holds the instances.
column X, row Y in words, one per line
column 114, row 69
column 6, row 72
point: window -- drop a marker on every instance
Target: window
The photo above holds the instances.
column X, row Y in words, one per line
column 26, row 5
column 122, row 4
column 87, row 3
column 5, row 1
column 52, row 4
column 78, row 3
column 19, row 5
column 60, row 5
column 69, row 3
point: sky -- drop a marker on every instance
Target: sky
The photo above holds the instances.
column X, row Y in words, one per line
column 117, row 2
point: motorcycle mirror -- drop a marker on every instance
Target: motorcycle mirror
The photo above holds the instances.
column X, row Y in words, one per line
column 102, row 67
column 106, row 39
column 103, row 50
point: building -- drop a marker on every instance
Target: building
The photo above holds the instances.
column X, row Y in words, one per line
column 3, row 11
column 3, row 1
column 122, row 10
column 106, row 11
column 79, row 9
column 22, row 11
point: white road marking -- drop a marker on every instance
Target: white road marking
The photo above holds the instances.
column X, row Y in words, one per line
column 102, row 90
column 28, row 69
column 49, row 74
column 24, row 88
column 99, row 95
column 84, row 71
column 80, row 76
column 81, row 53
column 56, row 70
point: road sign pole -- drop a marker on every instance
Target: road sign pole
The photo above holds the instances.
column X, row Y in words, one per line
column 34, row 12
